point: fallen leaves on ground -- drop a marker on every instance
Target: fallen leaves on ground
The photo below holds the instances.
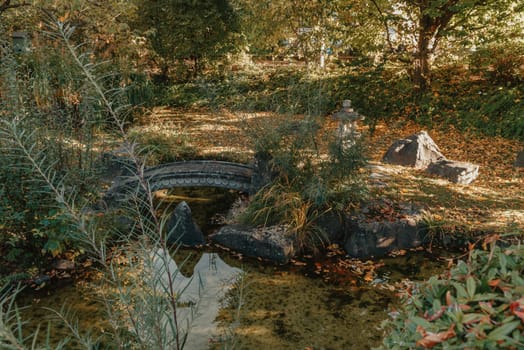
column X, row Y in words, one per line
column 494, row 202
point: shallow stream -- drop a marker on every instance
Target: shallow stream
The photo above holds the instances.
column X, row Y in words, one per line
column 337, row 303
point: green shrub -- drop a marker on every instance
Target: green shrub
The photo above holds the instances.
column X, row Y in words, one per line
column 305, row 185
column 138, row 288
column 479, row 304
column 45, row 113
column 501, row 64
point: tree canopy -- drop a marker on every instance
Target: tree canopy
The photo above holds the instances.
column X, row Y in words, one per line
column 189, row 30
column 182, row 33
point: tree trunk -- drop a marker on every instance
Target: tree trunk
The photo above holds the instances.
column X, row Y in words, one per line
column 430, row 30
column 421, row 67
column 421, row 78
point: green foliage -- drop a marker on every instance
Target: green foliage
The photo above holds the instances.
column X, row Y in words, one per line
column 458, row 97
column 31, row 225
column 479, row 304
column 500, row 64
column 308, row 29
column 305, row 185
column 189, row 30
column 148, row 311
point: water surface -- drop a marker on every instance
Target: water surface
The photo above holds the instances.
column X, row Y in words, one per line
column 334, row 303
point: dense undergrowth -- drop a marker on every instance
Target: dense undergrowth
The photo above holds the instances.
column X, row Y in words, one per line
column 47, row 203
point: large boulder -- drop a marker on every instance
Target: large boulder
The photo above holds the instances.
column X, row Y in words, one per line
column 269, row 243
column 182, row 229
column 375, row 239
column 331, row 226
column 417, row 150
column 454, row 171
column 383, row 228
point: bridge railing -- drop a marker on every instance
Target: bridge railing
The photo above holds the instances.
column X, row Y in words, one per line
column 200, row 173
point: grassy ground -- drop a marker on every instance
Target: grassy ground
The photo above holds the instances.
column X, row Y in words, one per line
column 493, row 203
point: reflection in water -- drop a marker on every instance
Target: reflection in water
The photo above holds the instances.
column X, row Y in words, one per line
column 200, row 295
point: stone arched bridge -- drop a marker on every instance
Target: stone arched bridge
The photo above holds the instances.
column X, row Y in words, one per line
column 197, row 173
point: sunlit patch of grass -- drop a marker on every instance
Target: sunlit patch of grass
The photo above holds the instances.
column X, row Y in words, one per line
column 163, row 146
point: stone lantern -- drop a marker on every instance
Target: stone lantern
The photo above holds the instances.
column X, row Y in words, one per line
column 348, row 120
column 20, row 42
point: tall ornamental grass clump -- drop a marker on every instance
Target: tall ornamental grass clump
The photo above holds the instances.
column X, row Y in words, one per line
column 311, row 173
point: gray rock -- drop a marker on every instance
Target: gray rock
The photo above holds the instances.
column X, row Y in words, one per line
column 458, row 172
column 182, row 229
column 373, row 233
column 374, row 239
column 332, row 226
column 270, row 243
column 417, row 150
column 519, row 162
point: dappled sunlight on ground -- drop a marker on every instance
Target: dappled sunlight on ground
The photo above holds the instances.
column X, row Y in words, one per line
column 492, row 202
column 498, row 189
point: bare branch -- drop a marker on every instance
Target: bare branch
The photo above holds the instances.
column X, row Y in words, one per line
column 6, row 5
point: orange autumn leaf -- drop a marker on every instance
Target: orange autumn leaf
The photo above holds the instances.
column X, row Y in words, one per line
column 430, row 339
column 436, row 315
column 464, row 307
column 517, row 308
column 494, row 283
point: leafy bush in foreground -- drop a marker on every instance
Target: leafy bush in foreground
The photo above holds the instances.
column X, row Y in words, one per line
column 479, row 304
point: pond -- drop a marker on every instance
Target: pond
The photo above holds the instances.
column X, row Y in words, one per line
column 336, row 303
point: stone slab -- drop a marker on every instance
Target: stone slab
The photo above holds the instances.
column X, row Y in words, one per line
column 374, row 239
column 458, row 172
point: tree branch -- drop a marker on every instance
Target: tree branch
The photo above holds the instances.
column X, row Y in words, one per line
column 385, row 22
column 6, row 5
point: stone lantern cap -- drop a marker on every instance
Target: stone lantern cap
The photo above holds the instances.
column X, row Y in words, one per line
column 347, row 113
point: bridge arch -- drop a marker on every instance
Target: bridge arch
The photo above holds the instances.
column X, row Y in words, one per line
column 194, row 173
